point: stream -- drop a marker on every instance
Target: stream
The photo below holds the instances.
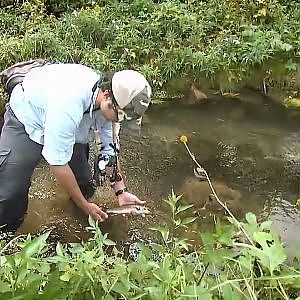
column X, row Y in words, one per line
column 251, row 153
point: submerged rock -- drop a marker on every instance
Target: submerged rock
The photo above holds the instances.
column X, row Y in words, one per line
column 292, row 103
column 199, row 194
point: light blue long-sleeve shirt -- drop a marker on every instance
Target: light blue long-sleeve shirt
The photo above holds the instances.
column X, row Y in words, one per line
column 51, row 103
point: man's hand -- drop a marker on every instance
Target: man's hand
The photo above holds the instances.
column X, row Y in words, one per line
column 95, row 211
column 66, row 178
column 127, row 198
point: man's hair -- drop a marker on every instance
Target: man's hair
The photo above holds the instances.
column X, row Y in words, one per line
column 105, row 84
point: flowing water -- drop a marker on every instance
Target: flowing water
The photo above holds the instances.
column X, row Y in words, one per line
column 251, row 153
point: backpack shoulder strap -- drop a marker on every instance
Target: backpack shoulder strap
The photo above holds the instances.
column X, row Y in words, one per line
column 94, row 90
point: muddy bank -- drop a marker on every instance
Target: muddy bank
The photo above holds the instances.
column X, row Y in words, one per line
column 258, row 89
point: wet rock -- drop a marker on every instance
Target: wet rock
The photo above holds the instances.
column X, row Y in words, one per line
column 278, row 96
column 292, row 103
column 199, row 194
column 196, row 93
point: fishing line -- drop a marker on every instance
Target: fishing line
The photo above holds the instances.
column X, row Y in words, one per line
column 183, row 139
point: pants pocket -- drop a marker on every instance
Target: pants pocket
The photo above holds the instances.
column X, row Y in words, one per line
column 3, row 157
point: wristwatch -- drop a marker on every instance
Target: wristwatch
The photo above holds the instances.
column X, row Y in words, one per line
column 121, row 191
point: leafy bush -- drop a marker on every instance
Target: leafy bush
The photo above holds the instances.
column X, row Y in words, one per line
column 226, row 266
column 225, row 42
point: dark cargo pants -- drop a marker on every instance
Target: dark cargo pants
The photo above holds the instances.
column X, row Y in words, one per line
column 19, row 155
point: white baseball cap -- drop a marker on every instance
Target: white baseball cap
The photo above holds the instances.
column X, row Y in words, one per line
column 132, row 93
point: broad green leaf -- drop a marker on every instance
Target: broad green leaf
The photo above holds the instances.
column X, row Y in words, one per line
column 217, row 257
column 182, row 243
column 4, row 287
column 272, row 253
column 181, row 208
column 145, row 250
column 158, row 247
column 246, row 261
column 139, row 296
column 59, row 249
column 76, row 248
column 230, row 293
column 2, row 261
column 156, row 292
column 22, row 272
column 292, row 103
column 208, row 240
column 35, row 246
column 196, row 292
column 266, row 225
column 108, row 242
column 104, row 283
column 44, row 268
column 10, row 261
column 251, row 218
column 166, row 272
column 163, row 231
column 188, row 220
column 251, row 225
column 65, row 277
column 121, row 288
column 92, row 222
column 224, row 233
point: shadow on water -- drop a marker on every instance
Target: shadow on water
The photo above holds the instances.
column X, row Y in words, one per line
column 252, row 154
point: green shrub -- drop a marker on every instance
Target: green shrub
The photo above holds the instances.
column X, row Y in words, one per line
column 225, row 266
column 166, row 39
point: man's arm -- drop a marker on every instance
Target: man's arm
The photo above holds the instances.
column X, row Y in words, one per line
column 106, row 137
column 66, row 178
column 124, row 197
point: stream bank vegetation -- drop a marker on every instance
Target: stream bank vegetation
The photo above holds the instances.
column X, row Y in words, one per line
column 239, row 260
column 219, row 45
column 215, row 46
